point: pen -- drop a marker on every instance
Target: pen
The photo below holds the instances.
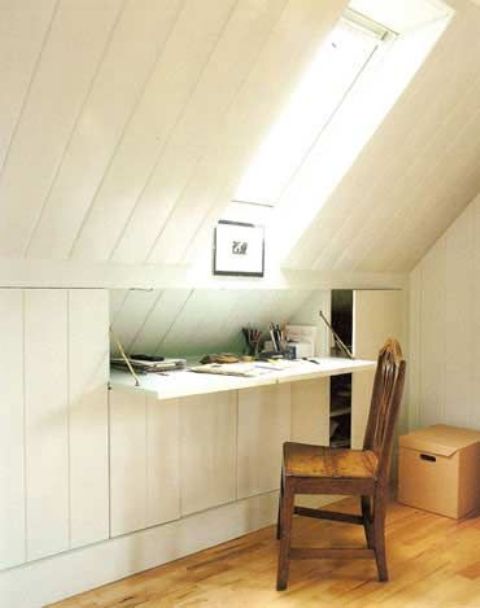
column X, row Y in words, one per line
column 311, row 360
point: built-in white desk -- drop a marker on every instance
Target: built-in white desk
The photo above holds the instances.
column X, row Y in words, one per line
column 178, row 384
column 186, row 442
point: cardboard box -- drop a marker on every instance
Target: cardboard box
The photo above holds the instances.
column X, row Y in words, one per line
column 439, row 470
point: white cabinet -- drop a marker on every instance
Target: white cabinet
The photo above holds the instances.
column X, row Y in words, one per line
column 263, row 426
column 53, row 421
column 46, row 422
column 163, row 461
column 128, row 467
column 311, row 411
column 12, row 420
column 311, row 420
column 88, row 415
column 144, row 461
column 207, row 450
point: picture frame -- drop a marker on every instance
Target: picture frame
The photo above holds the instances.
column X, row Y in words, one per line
column 239, row 249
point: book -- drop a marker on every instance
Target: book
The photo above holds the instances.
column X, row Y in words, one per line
column 149, row 366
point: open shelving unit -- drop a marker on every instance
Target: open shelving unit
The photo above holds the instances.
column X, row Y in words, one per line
column 341, row 386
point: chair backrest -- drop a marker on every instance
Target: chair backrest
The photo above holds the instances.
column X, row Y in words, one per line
column 386, row 397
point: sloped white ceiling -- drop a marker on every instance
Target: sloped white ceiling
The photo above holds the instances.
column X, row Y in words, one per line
column 418, row 172
column 125, row 125
column 124, row 122
column 179, row 322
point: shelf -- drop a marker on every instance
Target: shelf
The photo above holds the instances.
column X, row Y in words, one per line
column 340, row 411
column 343, row 442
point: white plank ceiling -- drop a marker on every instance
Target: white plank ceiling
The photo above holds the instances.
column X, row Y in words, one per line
column 179, row 322
column 126, row 124
column 418, row 172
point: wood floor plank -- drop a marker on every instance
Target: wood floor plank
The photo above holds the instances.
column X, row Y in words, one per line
column 433, row 563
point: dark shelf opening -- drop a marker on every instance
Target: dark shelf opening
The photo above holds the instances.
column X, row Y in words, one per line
column 341, row 386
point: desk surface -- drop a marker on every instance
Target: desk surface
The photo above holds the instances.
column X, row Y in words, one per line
column 186, row 383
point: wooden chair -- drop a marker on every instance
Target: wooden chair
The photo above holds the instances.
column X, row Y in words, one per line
column 311, row 469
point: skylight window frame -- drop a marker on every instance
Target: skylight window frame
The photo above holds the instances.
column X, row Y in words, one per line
column 383, row 35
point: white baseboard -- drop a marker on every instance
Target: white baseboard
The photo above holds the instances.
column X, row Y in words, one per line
column 51, row 579
column 48, row 580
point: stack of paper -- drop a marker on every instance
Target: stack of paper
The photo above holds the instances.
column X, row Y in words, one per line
column 246, row 370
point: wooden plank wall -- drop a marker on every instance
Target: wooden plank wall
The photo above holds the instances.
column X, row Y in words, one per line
column 444, row 370
column 196, row 321
column 53, row 422
column 134, row 118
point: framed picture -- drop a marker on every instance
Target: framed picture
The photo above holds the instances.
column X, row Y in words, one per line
column 239, row 249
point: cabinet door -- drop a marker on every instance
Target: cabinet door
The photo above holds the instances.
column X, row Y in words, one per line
column 144, row 461
column 207, row 450
column 311, row 421
column 311, row 411
column 163, row 461
column 128, row 461
column 46, row 425
column 12, row 446
column 88, row 415
column 263, row 426
column 377, row 315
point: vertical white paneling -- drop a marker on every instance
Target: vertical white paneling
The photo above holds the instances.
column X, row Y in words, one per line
column 458, row 318
column 310, row 420
column 377, row 315
column 444, row 370
column 12, row 445
column 311, row 411
column 76, row 41
column 88, row 415
column 413, row 381
column 264, row 424
column 144, row 461
column 128, row 461
column 23, row 27
column 163, row 461
column 46, row 406
column 207, row 450
column 432, row 336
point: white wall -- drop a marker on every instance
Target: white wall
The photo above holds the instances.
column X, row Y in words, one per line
column 53, row 422
column 444, row 357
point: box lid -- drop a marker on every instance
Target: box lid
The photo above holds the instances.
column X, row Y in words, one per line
column 439, row 439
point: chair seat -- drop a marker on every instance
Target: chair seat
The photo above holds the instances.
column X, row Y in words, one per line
column 304, row 460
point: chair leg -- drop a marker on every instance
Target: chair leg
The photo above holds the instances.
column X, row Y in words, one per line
column 286, row 534
column 379, row 538
column 367, row 520
column 280, row 501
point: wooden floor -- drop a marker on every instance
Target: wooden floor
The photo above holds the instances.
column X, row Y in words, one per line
column 434, row 563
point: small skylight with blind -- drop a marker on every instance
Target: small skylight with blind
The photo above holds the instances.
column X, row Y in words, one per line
column 339, row 102
column 317, row 97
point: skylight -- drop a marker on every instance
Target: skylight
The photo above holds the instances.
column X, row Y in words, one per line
column 357, row 75
column 317, row 97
